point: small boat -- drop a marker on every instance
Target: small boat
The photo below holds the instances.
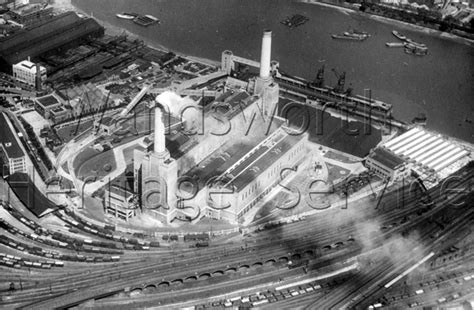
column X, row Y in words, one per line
column 395, row 44
column 125, row 16
column 399, row 35
column 351, row 35
column 409, row 41
column 415, row 49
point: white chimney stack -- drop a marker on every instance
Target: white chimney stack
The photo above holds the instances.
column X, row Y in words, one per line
column 266, row 54
column 160, row 146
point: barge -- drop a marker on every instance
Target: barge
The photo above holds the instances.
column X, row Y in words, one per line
column 295, row 21
column 146, row 20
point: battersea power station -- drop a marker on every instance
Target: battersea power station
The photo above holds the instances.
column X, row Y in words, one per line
column 236, row 161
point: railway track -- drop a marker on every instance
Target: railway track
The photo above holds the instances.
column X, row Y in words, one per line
column 145, row 271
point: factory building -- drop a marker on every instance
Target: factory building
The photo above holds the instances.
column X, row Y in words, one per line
column 254, row 175
column 62, row 30
column 385, row 164
column 45, row 104
column 233, row 170
column 11, row 153
column 31, row 13
column 120, row 202
column 156, row 175
column 430, row 155
column 263, row 85
column 29, row 73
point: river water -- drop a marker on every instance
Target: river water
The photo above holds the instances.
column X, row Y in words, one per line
column 439, row 84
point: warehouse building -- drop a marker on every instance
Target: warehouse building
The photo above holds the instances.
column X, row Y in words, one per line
column 385, row 164
column 426, row 151
column 29, row 73
column 31, row 13
column 11, row 153
column 63, row 30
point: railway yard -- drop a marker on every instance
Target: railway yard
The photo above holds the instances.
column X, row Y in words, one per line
column 314, row 263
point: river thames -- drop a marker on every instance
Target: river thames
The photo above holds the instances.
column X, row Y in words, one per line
column 438, row 85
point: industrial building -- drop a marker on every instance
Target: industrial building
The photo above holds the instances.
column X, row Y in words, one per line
column 120, row 202
column 45, row 104
column 29, row 73
column 238, row 189
column 156, row 172
column 11, row 153
column 62, row 30
column 31, row 13
column 430, row 155
column 385, row 164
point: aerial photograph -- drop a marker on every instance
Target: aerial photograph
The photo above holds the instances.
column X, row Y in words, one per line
column 237, row 154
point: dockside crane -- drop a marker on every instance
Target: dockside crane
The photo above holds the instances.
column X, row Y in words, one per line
column 319, row 80
column 341, row 81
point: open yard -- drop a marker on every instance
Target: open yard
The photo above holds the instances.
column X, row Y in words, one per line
column 93, row 163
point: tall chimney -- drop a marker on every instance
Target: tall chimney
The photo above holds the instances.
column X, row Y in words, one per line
column 38, row 77
column 266, row 54
column 159, row 132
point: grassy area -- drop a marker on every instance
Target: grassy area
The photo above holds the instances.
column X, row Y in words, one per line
column 339, row 157
column 94, row 163
column 336, row 172
column 70, row 132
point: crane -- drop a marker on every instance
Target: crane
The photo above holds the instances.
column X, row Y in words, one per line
column 341, row 80
column 319, row 80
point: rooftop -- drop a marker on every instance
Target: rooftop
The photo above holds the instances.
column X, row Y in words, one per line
column 29, row 195
column 120, row 191
column 7, row 139
column 261, row 158
column 218, row 162
column 386, row 158
column 30, row 8
column 26, row 63
column 50, row 34
column 47, row 100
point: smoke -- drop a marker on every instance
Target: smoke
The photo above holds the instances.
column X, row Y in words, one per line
column 184, row 109
column 370, row 235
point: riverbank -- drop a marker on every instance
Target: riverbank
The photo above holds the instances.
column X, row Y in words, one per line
column 383, row 19
column 112, row 30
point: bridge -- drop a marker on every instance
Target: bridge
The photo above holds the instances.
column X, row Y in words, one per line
column 197, row 81
column 198, row 92
column 16, row 91
column 246, row 61
column 134, row 101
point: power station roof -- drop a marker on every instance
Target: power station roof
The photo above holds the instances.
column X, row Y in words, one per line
column 261, row 158
column 218, row 162
column 8, row 140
